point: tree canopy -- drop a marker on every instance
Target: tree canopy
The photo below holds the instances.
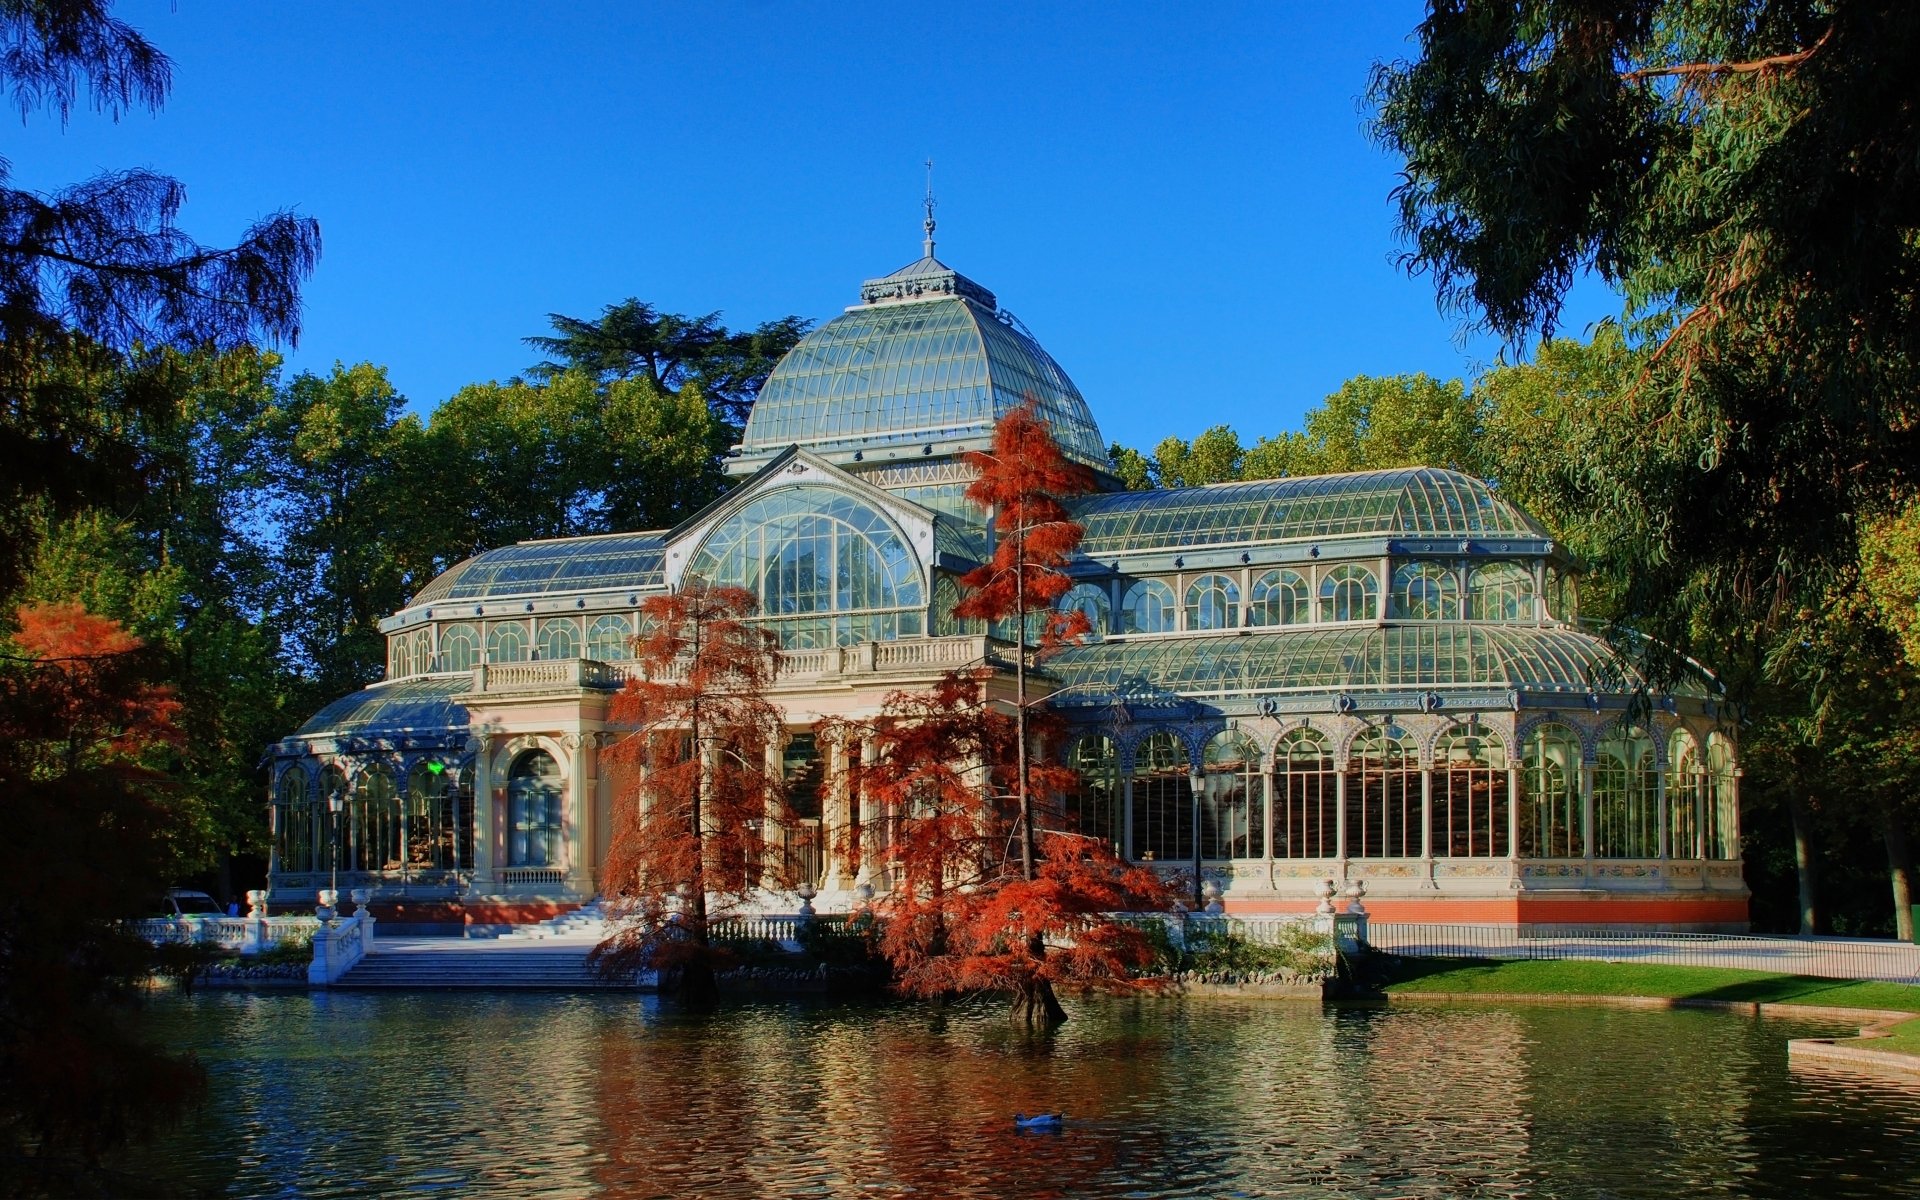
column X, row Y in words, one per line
column 1742, row 173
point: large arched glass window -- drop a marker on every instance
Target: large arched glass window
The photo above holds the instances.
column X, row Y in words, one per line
column 1686, row 784
column 1722, row 806
column 1093, row 807
column 459, row 648
column 1213, row 602
column 1626, row 804
column 295, row 824
column 559, row 638
column 533, row 810
column 946, row 597
column 1148, row 608
column 1162, row 799
column 610, row 638
column 1349, row 593
column 1279, row 598
column 1383, row 795
column 423, row 650
column 828, row 569
column 399, row 656
column 372, row 834
column 1550, row 787
column 438, row 817
column 1229, row 797
column 507, row 642
column 1090, row 599
column 1470, row 794
column 1424, row 591
column 1305, row 792
column 1500, row 591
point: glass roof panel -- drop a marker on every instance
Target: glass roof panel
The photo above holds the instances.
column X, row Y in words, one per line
column 1414, row 501
column 897, row 373
column 404, row 706
column 614, row 560
column 1394, row 657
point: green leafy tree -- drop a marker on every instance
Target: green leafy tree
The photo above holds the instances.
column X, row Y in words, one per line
column 94, row 270
column 1742, row 173
column 634, row 340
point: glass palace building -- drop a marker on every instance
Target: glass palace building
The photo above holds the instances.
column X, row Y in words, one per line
column 1373, row 677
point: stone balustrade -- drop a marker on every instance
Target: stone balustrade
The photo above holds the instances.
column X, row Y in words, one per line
column 905, row 657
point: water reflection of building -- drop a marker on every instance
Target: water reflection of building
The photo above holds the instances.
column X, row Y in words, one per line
column 1375, row 676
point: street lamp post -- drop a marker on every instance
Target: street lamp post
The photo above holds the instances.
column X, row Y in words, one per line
column 336, row 801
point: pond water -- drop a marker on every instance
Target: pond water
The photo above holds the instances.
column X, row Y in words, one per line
column 552, row 1095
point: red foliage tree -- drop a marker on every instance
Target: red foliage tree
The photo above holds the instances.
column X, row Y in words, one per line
column 692, row 834
column 991, row 890
column 85, row 734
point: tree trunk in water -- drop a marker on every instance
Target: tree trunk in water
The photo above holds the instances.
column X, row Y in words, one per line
column 1900, row 874
column 1803, row 862
column 1037, row 1006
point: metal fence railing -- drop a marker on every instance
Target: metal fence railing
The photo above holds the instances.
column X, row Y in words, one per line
column 1823, row 957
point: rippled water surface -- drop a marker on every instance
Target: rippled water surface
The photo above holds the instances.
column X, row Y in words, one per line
column 547, row 1095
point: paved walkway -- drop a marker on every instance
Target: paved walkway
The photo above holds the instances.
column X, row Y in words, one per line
column 1827, row 958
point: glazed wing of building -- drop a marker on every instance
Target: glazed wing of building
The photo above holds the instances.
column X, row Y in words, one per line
column 1377, row 676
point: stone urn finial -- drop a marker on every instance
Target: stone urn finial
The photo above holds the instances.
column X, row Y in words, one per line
column 257, row 903
column 360, row 896
column 329, row 902
column 1326, row 891
column 1355, row 891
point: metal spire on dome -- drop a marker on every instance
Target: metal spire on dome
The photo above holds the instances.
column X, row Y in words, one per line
column 929, row 225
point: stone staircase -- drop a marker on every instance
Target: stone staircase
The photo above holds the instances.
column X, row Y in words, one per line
column 441, row 963
column 589, row 920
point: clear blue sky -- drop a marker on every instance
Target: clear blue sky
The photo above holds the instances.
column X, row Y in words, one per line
column 1180, row 200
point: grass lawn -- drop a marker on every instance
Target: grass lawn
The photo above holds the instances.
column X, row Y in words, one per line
column 1576, row 977
column 1903, row 1038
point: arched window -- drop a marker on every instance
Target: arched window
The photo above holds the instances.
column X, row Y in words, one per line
column 1213, row 602
column 423, row 650
column 1550, row 787
column 399, row 656
column 559, row 638
column 507, row 642
column 1229, row 796
column 1500, row 591
column 438, row 821
column 1093, row 807
column 1305, row 790
column 1383, row 795
column 533, row 810
column 1090, row 599
column 610, row 638
column 1686, row 785
column 1279, row 598
column 828, row 569
column 1626, row 807
column 459, row 648
column 1470, row 794
column 1722, row 808
column 294, row 823
column 1162, row 799
column 1424, row 591
column 372, row 834
column 1349, row 593
column 1148, row 608
column 946, row 596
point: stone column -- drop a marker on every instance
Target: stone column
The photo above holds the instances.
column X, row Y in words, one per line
column 833, row 820
column 1513, row 810
column 580, row 784
column 870, row 830
column 485, row 880
column 1426, row 816
column 1126, row 817
column 773, row 834
column 1340, row 816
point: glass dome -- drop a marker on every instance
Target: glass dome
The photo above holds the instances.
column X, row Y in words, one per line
column 613, row 560
column 930, row 358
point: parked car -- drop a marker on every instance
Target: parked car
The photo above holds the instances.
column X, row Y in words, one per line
column 182, row 902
